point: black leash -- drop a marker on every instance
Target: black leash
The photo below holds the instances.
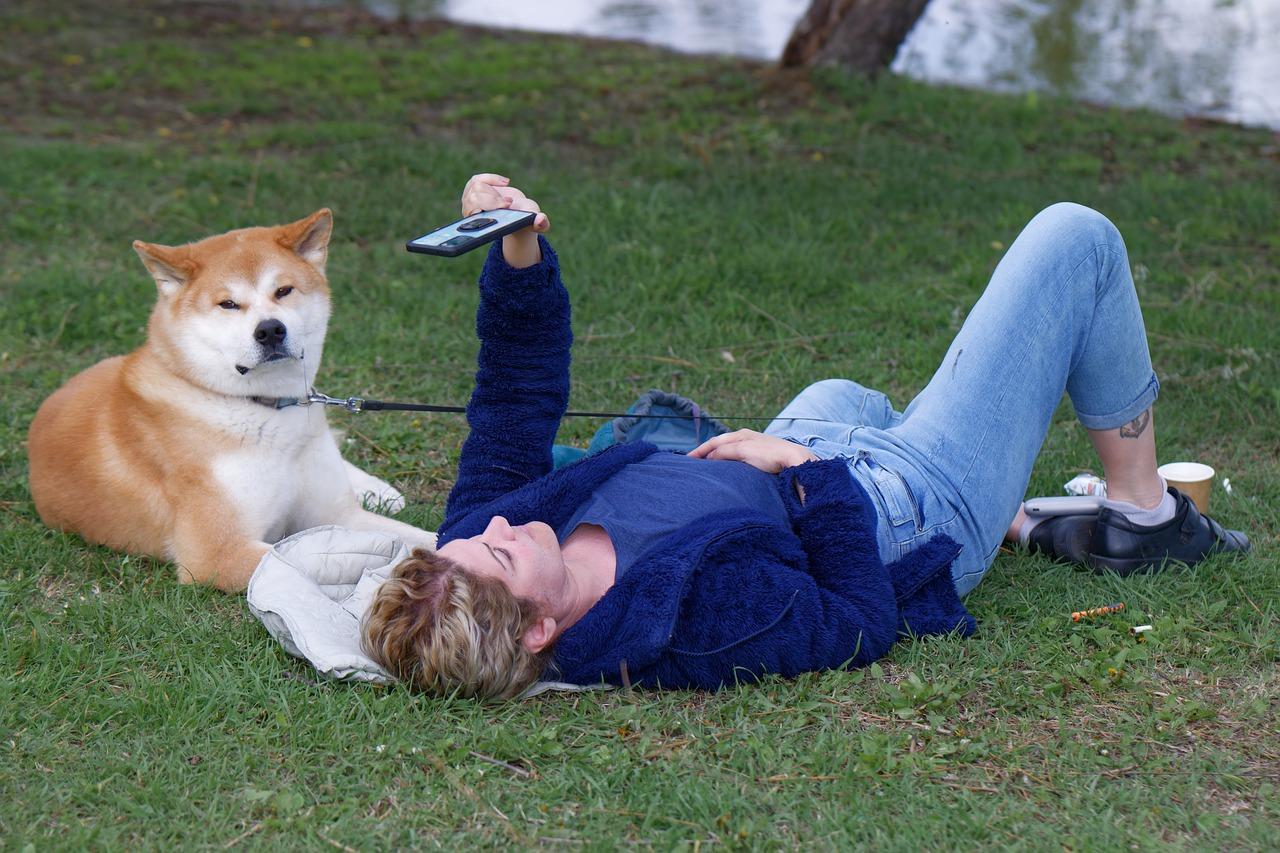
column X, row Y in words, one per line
column 357, row 405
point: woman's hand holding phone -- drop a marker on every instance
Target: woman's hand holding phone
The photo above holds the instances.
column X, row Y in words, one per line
column 487, row 191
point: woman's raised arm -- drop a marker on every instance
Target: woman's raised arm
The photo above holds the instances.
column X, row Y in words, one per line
column 522, row 375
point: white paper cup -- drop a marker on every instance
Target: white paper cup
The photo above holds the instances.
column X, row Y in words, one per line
column 1190, row 478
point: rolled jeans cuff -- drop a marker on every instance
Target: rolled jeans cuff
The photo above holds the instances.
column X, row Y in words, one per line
column 1115, row 420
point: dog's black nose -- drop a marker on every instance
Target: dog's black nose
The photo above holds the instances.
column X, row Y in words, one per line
column 270, row 333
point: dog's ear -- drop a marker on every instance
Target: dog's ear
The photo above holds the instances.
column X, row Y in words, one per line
column 170, row 266
column 309, row 237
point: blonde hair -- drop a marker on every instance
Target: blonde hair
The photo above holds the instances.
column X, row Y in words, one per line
column 445, row 631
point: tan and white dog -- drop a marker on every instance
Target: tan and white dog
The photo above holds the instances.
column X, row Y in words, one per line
column 180, row 449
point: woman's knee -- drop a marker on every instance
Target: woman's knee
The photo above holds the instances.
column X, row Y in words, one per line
column 1067, row 222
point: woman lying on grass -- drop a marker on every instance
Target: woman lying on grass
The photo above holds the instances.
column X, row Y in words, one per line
column 816, row 544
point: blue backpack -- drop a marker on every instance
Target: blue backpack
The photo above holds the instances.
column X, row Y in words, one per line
column 684, row 430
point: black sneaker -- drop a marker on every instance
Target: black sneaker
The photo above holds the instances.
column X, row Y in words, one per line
column 1064, row 538
column 1118, row 545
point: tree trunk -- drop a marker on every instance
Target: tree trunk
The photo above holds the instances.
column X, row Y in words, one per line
column 862, row 35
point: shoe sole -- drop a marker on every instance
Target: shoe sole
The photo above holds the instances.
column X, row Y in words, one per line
column 1122, row 567
column 1139, row 565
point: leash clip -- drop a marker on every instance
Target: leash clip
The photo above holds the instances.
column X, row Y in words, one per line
column 354, row 405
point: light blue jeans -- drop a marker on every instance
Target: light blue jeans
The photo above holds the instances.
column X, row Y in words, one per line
column 1059, row 314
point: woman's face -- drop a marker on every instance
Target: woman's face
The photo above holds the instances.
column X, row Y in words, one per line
column 526, row 558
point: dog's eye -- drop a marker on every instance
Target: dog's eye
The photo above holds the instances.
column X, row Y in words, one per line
column 228, row 305
column 282, row 292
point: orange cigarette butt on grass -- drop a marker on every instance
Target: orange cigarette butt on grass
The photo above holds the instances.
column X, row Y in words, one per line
column 1097, row 611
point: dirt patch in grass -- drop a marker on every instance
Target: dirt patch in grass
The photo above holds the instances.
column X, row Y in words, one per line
column 58, row 589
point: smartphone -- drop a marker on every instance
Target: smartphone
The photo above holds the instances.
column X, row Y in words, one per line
column 471, row 231
column 1042, row 507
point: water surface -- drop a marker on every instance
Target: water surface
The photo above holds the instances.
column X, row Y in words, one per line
column 1213, row 58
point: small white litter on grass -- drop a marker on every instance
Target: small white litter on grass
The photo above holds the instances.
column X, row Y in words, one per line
column 1226, row 485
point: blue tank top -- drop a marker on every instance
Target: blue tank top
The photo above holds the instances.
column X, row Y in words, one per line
column 663, row 492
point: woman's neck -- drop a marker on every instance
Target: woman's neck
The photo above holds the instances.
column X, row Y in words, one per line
column 592, row 564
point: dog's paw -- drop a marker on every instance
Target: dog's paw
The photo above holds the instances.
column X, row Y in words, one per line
column 372, row 493
column 386, row 499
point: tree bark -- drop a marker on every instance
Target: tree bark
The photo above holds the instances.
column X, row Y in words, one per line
column 862, row 35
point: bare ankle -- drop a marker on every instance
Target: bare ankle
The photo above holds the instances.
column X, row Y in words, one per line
column 1014, row 533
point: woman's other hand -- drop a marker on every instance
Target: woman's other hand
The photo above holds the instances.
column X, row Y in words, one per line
column 766, row 452
column 487, row 191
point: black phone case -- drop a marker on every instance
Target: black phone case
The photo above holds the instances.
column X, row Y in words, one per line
column 475, row 242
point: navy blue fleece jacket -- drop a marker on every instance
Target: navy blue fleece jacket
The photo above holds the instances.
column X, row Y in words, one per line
column 731, row 596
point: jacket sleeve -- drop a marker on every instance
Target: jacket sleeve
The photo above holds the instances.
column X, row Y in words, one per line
column 522, row 380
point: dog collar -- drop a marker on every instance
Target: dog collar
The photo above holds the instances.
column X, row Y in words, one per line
column 276, row 402
column 355, row 405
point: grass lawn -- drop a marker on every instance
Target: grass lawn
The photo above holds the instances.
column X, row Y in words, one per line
column 727, row 232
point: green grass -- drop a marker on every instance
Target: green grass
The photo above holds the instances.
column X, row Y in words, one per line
column 727, row 232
